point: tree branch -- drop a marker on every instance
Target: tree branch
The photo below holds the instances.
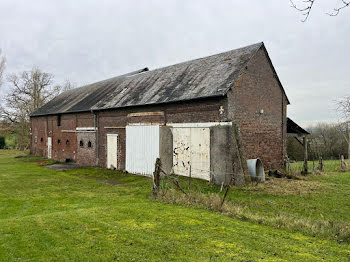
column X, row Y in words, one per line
column 308, row 5
column 306, row 10
column 337, row 10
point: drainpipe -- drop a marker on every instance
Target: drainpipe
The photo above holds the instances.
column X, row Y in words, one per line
column 96, row 137
column 284, row 143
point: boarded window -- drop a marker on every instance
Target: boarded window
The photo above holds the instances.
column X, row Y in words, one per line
column 35, row 139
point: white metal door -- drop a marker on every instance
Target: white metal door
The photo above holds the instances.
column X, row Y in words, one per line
column 142, row 149
column 49, row 147
column 191, row 147
column 112, row 151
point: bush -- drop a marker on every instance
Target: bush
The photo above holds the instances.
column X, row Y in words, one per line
column 2, row 142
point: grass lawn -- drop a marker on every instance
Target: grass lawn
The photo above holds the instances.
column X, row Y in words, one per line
column 47, row 215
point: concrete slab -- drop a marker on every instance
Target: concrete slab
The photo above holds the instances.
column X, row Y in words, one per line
column 63, row 166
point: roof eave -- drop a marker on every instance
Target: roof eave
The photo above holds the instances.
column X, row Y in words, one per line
column 128, row 106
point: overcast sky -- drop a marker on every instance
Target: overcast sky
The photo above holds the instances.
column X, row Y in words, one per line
column 87, row 41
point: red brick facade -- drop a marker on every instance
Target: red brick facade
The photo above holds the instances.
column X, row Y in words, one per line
column 258, row 105
column 64, row 136
column 256, row 89
column 114, row 121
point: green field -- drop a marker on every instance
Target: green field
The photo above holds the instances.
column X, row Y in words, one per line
column 101, row 215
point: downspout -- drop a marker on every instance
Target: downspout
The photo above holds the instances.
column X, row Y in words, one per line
column 96, row 137
column 47, row 136
column 283, row 142
column 31, row 135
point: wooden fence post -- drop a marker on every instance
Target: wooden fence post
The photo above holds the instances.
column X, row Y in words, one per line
column 342, row 162
column 156, row 178
column 320, row 165
column 305, row 171
column 189, row 179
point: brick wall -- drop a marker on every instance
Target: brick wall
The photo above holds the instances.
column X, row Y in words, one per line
column 38, row 136
column 263, row 134
column 86, row 148
column 114, row 121
column 64, row 138
column 257, row 88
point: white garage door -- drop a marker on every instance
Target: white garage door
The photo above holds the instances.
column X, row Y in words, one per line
column 142, row 149
column 191, row 146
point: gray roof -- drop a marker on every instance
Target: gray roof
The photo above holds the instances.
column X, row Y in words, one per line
column 210, row 76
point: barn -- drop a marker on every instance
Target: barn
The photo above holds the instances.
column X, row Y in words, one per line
column 182, row 113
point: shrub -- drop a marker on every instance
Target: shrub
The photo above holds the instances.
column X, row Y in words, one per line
column 2, row 142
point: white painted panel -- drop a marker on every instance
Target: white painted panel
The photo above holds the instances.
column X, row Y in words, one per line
column 191, row 147
column 181, row 150
column 142, row 149
column 112, row 151
column 49, row 147
column 200, row 153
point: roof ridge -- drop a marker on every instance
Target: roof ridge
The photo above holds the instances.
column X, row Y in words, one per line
column 205, row 57
column 134, row 73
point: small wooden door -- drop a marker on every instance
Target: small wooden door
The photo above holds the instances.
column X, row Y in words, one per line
column 49, row 147
column 112, row 151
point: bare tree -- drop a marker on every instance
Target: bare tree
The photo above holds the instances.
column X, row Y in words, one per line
column 67, row 85
column 343, row 107
column 328, row 141
column 2, row 66
column 307, row 5
column 28, row 91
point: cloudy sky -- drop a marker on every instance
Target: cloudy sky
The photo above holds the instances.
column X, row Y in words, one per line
column 86, row 41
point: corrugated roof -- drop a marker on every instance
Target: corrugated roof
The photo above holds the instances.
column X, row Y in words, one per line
column 210, row 76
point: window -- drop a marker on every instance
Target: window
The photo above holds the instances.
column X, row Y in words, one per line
column 89, row 144
column 35, row 139
column 67, row 142
column 59, row 120
column 59, row 141
column 41, row 140
column 81, row 143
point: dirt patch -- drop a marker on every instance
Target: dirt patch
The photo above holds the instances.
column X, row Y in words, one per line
column 63, row 166
column 284, row 186
column 110, row 181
